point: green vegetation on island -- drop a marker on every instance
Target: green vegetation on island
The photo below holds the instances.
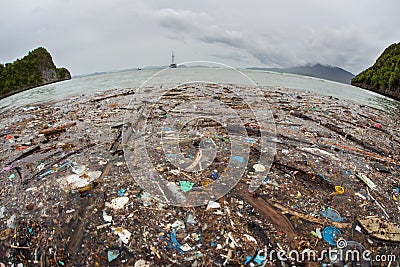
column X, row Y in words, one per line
column 35, row 69
column 384, row 76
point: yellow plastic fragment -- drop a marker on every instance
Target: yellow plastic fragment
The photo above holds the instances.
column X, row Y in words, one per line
column 338, row 190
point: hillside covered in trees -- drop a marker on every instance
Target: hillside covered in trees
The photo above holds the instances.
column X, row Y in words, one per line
column 35, row 69
column 384, row 76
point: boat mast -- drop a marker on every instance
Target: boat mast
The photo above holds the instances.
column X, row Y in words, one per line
column 173, row 57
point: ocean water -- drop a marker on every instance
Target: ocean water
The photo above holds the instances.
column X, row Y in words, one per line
column 91, row 85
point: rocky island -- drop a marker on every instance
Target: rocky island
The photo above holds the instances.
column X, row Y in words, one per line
column 384, row 76
column 35, row 69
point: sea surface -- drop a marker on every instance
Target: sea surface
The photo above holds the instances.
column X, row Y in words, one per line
column 91, row 85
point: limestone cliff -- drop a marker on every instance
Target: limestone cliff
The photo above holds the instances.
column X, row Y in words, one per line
column 35, row 69
column 384, row 76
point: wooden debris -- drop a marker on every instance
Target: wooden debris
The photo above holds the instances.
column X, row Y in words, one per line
column 381, row 229
column 275, row 217
column 55, row 130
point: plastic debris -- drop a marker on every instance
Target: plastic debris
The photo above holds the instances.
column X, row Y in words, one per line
column 55, row 169
column 331, row 235
column 2, row 210
column 213, row 205
column 142, row 263
column 8, row 168
column 190, row 219
column 215, row 174
column 118, row 203
column 106, row 217
column 338, row 190
column 239, row 159
column 259, row 259
column 121, row 192
column 75, row 181
column 367, row 181
column 51, row 215
column 259, row 167
column 12, row 176
column 381, row 229
column 123, row 234
column 11, row 222
column 112, row 255
column 318, row 232
column 331, row 214
column 186, row 186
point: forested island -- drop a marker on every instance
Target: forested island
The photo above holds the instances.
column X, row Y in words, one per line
column 384, row 76
column 35, row 69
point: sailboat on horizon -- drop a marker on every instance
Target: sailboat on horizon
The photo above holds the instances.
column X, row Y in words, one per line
column 172, row 65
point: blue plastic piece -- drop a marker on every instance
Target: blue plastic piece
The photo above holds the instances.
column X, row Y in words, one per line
column 121, row 192
column 215, row 175
column 239, row 159
column 331, row 235
column 331, row 215
column 176, row 245
column 257, row 259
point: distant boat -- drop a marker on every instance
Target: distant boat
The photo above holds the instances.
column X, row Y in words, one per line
column 172, row 65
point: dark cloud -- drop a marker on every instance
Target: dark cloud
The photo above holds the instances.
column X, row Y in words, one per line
column 88, row 36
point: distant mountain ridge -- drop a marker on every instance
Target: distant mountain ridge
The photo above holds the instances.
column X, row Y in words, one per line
column 35, row 69
column 384, row 76
column 316, row 70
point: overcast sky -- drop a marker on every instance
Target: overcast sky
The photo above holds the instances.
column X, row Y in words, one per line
column 94, row 35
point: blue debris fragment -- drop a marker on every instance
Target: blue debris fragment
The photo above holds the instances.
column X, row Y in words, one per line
column 239, row 159
column 121, row 192
column 112, row 255
column 257, row 259
column 215, row 175
column 331, row 215
column 331, row 235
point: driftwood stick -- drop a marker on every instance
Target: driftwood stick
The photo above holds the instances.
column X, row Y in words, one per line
column 58, row 161
column 55, row 130
column 112, row 96
column 275, row 217
column 25, row 154
column 310, row 218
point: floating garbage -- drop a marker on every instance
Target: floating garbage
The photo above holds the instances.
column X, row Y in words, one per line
column 106, row 217
column 142, row 263
column 11, row 222
column 339, row 190
column 367, row 181
column 239, row 159
column 75, row 181
column 123, row 224
column 259, row 167
column 123, row 234
column 213, row 205
column 118, row 203
column 190, row 219
column 215, row 174
column 331, row 214
column 121, row 192
column 55, row 169
column 2, row 210
column 186, row 186
column 381, row 229
column 112, row 255
column 331, row 235
column 259, row 259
